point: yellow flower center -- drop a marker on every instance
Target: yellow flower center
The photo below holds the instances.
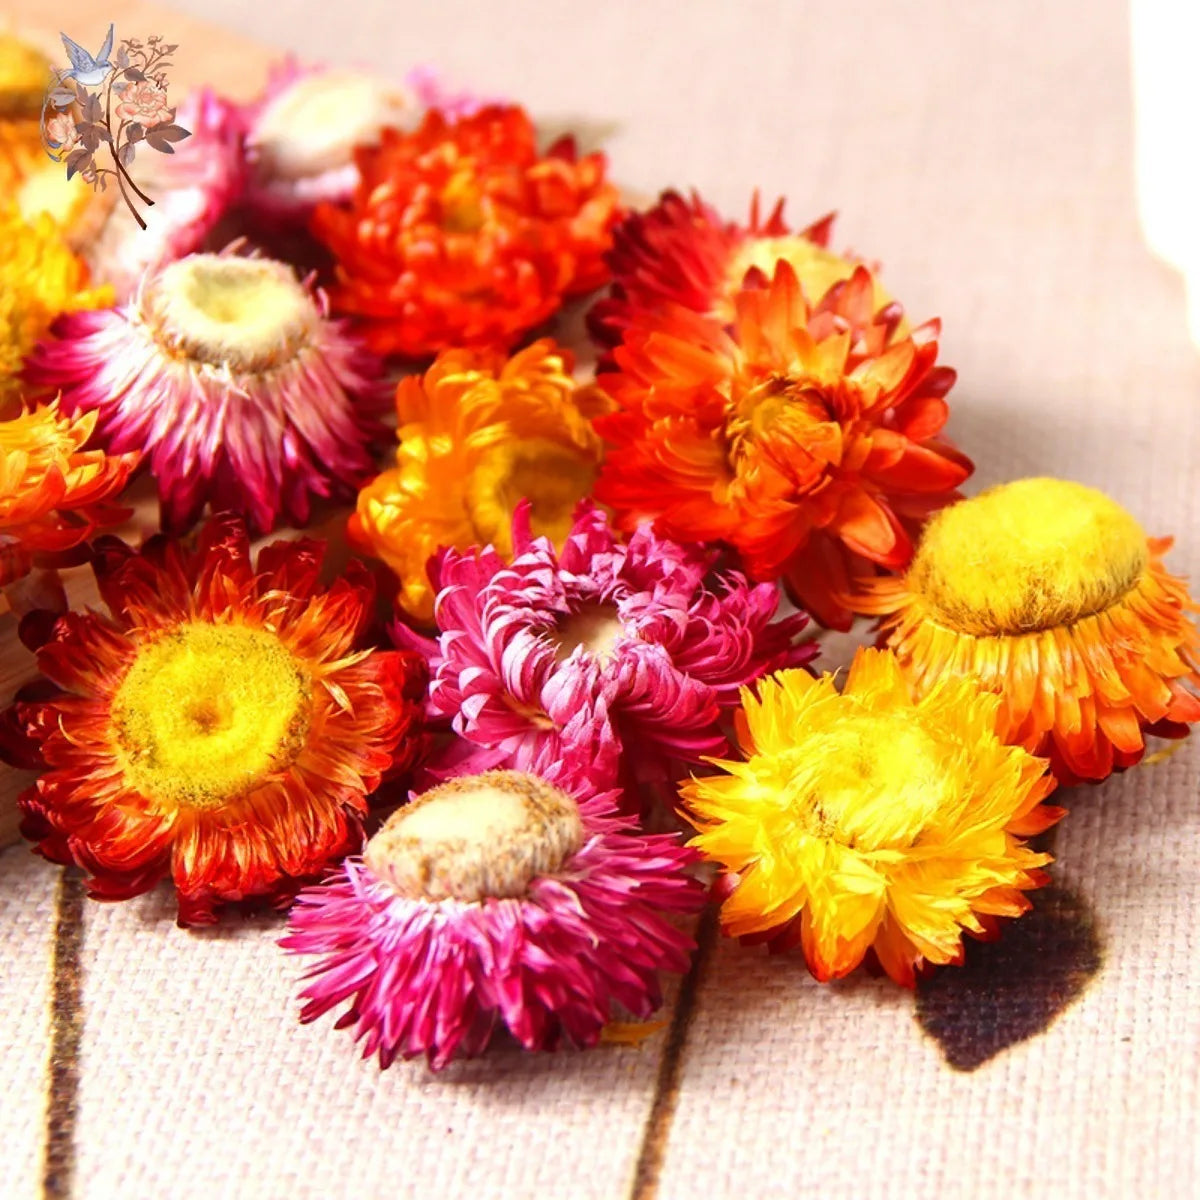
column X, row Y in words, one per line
column 221, row 310
column 1025, row 556
column 478, row 837
column 882, row 779
column 550, row 476
column 46, row 189
column 207, row 712
column 595, row 627
column 817, row 268
column 462, row 203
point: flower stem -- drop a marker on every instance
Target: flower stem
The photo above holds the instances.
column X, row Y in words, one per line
column 137, row 216
column 123, row 175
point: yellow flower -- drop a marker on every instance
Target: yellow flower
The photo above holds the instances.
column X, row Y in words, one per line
column 40, row 278
column 28, row 176
column 1049, row 594
column 869, row 821
column 479, row 433
column 24, row 76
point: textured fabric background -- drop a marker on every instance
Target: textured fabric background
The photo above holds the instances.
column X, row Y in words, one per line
column 984, row 153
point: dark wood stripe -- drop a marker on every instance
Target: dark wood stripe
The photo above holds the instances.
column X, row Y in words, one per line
column 670, row 1070
column 66, row 1031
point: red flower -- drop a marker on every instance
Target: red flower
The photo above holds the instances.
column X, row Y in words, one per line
column 222, row 725
column 461, row 234
column 682, row 252
column 804, row 434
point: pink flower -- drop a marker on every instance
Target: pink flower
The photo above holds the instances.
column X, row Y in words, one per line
column 432, row 92
column 639, row 635
column 144, row 101
column 193, row 189
column 62, row 133
column 227, row 374
column 507, row 899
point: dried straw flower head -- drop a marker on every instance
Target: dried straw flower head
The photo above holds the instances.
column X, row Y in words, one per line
column 506, row 899
column 226, row 372
column 1050, row 594
column 222, row 725
column 871, row 821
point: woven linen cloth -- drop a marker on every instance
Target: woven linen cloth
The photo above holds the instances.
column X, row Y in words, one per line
column 984, row 152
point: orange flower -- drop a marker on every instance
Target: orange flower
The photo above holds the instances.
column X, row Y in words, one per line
column 222, row 725
column 54, row 494
column 804, row 434
column 681, row 252
column 1049, row 594
column 478, row 433
column 460, row 234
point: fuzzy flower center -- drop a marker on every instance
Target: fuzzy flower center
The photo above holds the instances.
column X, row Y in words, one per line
column 477, row 837
column 1025, row 556
column 595, row 627
column 550, row 476
column 784, row 412
column 882, row 779
column 225, row 311
column 314, row 123
column 462, row 203
column 207, row 712
column 816, row 268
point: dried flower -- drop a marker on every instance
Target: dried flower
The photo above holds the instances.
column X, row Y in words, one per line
column 870, row 821
column 681, row 253
column 805, row 435
column 502, row 900
column 226, row 373
column 461, row 234
column 222, row 725
column 642, row 631
column 40, row 277
column 54, row 493
column 1049, row 594
column 478, row 433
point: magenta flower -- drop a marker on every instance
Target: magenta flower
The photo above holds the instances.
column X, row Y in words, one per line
column 642, row 632
column 228, row 376
column 507, row 899
column 193, row 189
